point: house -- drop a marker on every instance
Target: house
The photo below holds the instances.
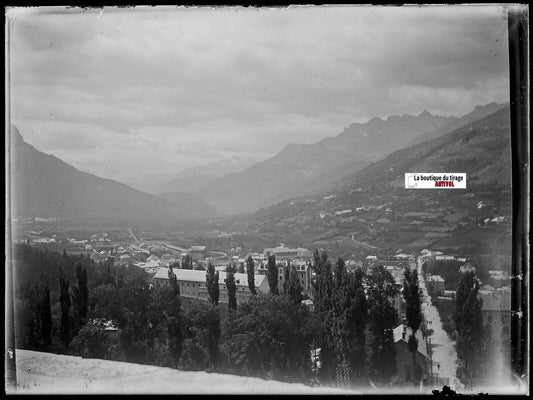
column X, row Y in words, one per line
column 192, row 284
column 404, row 358
column 496, row 314
column 436, row 284
column 309, row 304
column 496, row 311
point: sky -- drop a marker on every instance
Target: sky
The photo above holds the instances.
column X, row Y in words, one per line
column 139, row 94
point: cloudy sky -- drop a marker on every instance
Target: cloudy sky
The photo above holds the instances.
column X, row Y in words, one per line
column 139, row 94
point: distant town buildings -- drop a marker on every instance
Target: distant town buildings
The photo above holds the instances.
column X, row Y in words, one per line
column 282, row 252
column 197, row 252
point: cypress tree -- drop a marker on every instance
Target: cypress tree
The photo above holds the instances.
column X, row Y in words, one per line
column 83, row 289
column 250, row 270
column 469, row 325
column 232, row 288
column 272, row 274
column 323, row 299
column 411, row 294
column 212, row 283
column 64, row 299
column 295, row 288
column 46, row 317
column 174, row 320
column 382, row 320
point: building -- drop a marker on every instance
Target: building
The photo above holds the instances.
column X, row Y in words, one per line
column 303, row 271
column 404, row 358
column 436, row 284
column 496, row 314
column 197, row 252
column 496, row 311
column 192, row 284
column 282, row 252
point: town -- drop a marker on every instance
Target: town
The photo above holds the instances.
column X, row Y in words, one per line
column 439, row 274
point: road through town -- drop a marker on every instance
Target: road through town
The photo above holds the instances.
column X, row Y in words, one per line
column 443, row 348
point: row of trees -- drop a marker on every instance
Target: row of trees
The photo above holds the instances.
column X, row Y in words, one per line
column 473, row 341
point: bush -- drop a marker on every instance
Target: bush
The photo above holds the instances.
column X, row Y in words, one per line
column 92, row 341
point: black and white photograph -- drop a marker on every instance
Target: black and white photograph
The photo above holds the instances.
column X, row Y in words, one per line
column 307, row 199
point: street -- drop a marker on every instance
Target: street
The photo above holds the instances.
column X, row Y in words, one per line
column 442, row 347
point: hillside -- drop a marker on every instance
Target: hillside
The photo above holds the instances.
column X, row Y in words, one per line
column 372, row 207
column 46, row 373
column 45, row 186
column 299, row 168
column 478, row 113
column 480, row 149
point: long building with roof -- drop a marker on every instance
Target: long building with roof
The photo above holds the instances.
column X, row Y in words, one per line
column 192, row 284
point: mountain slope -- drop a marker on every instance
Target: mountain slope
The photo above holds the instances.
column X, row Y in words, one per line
column 478, row 113
column 294, row 171
column 189, row 201
column 372, row 206
column 45, row 186
column 191, row 180
column 480, row 149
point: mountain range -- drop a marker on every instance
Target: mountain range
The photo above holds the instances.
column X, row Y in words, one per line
column 303, row 169
column 45, row 186
column 481, row 149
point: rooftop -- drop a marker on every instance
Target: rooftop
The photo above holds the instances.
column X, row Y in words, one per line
column 402, row 332
column 191, row 275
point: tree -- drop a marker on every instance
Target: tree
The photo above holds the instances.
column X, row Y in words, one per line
column 241, row 268
column 382, row 321
column 326, row 335
column 231, row 287
column 250, row 270
column 46, row 317
column 64, row 299
column 469, row 325
column 294, row 288
column 91, row 341
column 356, row 317
column 83, row 292
column 202, row 327
column 187, row 262
column 212, row 283
column 411, row 294
column 174, row 319
column 272, row 274
column 269, row 339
